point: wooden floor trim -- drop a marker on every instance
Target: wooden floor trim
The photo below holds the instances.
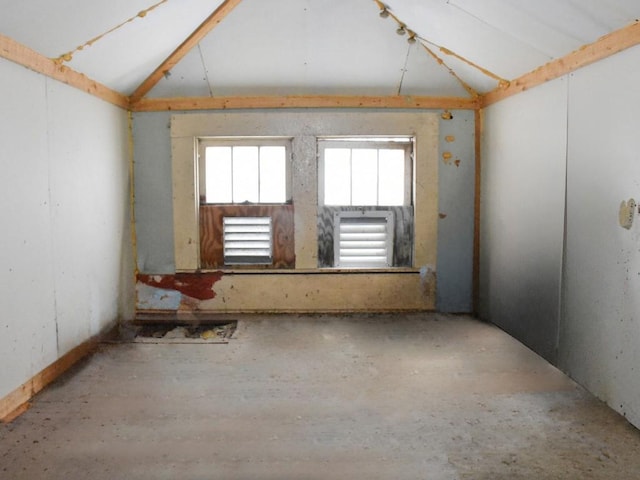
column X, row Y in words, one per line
column 17, row 402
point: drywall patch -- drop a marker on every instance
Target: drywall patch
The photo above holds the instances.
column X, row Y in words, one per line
column 198, row 286
column 151, row 298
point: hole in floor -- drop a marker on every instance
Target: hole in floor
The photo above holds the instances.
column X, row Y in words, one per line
column 172, row 333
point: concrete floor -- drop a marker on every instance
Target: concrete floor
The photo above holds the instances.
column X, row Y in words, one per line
column 390, row 397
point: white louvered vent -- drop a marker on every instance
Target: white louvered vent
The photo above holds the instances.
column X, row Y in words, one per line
column 363, row 239
column 247, row 240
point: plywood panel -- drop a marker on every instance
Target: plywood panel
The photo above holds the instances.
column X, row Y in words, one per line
column 28, row 339
column 211, row 232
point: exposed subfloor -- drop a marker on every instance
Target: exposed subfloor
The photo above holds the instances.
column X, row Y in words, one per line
column 378, row 397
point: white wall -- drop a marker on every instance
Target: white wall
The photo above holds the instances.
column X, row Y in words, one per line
column 600, row 331
column 595, row 111
column 522, row 212
column 66, row 265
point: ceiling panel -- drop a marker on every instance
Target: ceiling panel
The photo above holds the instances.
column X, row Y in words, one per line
column 425, row 76
column 187, row 79
column 446, row 25
column 56, row 27
column 310, row 46
column 289, row 47
column 124, row 58
column 524, row 26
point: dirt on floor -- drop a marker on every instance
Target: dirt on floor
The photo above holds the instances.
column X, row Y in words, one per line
column 422, row 396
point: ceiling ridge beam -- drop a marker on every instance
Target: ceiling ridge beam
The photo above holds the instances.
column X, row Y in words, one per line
column 185, row 47
column 23, row 55
column 305, row 101
column 604, row 47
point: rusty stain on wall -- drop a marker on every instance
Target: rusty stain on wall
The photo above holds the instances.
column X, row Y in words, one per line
column 457, row 162
column 195, row 285
column 449, row 138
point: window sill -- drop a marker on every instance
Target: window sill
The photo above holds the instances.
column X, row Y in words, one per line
column 318, row 271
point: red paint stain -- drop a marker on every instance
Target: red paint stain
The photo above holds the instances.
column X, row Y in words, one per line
column 194, row 285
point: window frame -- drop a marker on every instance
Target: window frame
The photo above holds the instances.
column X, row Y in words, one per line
column 377, row 142
column 244, row 141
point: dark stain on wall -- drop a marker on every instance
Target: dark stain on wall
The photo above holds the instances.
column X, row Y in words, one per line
column 194, row 285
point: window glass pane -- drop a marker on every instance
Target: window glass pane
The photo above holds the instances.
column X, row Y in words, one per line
column 273, row 175
column 218, row 174
column 337, row 176
column 245, row 174
column 391, row 177
column 364, row 168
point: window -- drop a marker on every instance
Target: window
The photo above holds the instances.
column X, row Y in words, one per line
column 244, row 171
column 365, row 171
column 365, row 217
column 246, row 214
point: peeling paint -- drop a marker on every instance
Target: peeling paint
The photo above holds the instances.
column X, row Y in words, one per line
column 446, row 157
column 446, row 115
column 450, row 138
column 428, row 280
column 626, row 213
column 195, row 285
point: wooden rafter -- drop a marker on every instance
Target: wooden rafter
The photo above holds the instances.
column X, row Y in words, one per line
column 23, row 55
column 604, row 47
column 178, row 54
column 304, row 101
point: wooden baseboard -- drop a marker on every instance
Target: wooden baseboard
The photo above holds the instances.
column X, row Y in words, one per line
column 17, row 402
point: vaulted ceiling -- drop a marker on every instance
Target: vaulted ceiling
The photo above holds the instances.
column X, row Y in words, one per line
column 301, row 47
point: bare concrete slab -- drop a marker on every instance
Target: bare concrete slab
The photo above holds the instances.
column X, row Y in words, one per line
column 381, row 397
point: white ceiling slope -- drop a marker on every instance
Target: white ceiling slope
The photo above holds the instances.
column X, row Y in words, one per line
column 295, row 47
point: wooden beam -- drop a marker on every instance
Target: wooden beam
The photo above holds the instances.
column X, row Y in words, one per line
column 178, row 54
column 304, row 101
column 17, row 402
column 604, row 47
column 22, row 55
